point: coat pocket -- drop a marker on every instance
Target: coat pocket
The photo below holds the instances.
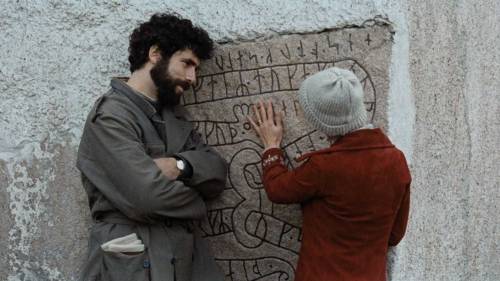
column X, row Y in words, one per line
column 125, row 267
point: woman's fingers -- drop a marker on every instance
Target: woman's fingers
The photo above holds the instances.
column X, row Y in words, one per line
column 267, row 124
column 254, row 125
column 279, row 119
column 270, row 111
column 263, row 113
column 257, row 114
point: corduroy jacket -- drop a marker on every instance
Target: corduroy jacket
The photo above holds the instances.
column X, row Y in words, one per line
column 355, row 199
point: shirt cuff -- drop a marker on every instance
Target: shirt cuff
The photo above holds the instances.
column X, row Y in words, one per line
column 272, row 156
column 271, row 147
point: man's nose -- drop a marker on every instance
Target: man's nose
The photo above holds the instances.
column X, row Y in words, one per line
column 191, row 76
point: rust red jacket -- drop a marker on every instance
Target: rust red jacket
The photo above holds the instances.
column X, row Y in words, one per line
column 355, row 199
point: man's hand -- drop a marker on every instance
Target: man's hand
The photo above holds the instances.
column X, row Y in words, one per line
column 168, row 167
column 268, row 126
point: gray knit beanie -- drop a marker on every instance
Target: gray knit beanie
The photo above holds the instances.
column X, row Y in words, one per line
column 332, row 101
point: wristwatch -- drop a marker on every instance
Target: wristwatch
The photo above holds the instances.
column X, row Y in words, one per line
column 181, row 166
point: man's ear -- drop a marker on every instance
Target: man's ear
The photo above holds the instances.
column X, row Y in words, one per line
column 154, row 54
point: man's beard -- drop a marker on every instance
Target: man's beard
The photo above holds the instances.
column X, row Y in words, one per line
column 165, row 84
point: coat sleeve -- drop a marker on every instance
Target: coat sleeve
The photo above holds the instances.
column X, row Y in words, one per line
column 115, row 160
column 401, row 220
column 400, row 223
column 209, row 168
column 284, row 186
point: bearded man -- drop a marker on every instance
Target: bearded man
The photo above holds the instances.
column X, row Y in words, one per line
column 146, row 172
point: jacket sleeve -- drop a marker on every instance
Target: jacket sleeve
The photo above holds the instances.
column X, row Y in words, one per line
column 400, row 223
column 115, row 160
column 209, row 168
column 284, row 186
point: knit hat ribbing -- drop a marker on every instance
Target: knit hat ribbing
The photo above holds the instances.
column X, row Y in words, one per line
column 332, row 101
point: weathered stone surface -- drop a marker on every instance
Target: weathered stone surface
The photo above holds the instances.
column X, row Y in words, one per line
column 442, row 110
column 5, row 219
column 245, row 228
column 455, row 63
column 67, row 213
column 48, row 217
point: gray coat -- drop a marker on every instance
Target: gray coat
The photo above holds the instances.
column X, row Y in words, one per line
column 128, row 193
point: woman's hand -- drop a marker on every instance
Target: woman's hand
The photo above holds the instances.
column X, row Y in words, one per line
column 267, row 124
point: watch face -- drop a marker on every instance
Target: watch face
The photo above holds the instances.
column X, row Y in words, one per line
column 180, row 165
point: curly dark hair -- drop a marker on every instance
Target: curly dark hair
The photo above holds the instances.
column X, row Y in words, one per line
column 170, row 33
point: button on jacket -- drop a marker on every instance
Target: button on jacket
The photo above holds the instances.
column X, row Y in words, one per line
column 355, row 199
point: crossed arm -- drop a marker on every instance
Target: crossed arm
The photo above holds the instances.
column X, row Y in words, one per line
column 209, row 170
column 114, row 159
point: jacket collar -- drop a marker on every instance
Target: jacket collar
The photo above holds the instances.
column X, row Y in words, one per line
column 357, row 140
column 120, row 86
column 168, row 124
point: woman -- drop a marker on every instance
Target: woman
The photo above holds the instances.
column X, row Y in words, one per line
column 355, row 194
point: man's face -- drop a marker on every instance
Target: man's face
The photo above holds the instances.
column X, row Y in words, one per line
column 174, row 76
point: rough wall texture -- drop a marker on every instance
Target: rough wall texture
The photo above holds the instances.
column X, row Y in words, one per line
column 442, row 110
column 454, row 66
column 246, row 230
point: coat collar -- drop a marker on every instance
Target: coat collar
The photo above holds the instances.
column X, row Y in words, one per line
column 357, row 140
column 172, row 130
column 120, row 86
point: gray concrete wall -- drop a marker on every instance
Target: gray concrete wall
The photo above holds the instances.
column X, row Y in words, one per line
column 454, row 66
column 442, row 110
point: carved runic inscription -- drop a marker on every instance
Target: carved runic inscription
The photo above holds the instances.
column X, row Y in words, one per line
column 253, row 238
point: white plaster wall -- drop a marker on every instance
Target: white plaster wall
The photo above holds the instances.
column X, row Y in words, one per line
column 57, row 56
column 454, row 65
